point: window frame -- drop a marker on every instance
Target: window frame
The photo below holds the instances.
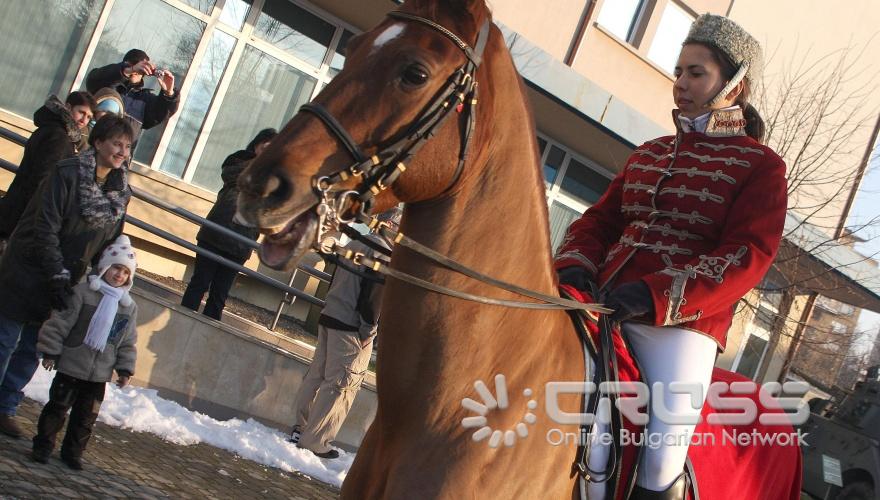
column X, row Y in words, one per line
column 755, row 329
column 656, row 18
column 638, row 22
column 553, row 192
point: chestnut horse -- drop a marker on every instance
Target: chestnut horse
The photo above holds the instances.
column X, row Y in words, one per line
column 491, row 216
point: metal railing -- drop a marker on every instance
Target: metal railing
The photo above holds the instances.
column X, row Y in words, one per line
column 290, row 293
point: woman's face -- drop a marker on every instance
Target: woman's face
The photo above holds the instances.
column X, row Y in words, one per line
column 112, row 152
column 698, row 79
column 81, row 114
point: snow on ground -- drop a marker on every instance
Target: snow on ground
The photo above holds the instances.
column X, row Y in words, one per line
column 142, row 410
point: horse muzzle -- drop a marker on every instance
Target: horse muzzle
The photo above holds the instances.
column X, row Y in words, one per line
column 283, row 248
column 270, row 201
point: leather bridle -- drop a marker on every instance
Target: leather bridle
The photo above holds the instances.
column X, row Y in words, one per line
column 379, row 171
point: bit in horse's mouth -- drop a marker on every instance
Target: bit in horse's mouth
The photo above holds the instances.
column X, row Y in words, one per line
column 287, row 245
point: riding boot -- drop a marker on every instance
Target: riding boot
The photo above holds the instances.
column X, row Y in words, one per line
column 676, row 491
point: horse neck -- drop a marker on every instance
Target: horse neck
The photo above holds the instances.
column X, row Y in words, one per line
column 496, row 224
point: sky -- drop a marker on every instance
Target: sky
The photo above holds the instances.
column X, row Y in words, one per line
column 865, row 209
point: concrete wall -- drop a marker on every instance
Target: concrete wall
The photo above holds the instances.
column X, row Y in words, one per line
column 230, row 369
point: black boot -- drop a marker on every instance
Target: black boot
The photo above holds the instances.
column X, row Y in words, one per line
column 676, row 491
column 74, row 463
column 41, row 455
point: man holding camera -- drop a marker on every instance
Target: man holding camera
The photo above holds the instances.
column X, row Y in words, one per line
column 143, row 108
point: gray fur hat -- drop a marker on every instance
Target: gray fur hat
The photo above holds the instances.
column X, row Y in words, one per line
column 734, row 41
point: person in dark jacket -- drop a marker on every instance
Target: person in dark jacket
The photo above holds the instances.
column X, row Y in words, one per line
column 207, row 273
column 143, row 108
column 58, row 135
column 76, row 212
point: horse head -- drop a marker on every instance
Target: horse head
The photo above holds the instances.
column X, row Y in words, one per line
column 394, row 76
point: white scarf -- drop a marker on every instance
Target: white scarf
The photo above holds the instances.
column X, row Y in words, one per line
column 102, row 320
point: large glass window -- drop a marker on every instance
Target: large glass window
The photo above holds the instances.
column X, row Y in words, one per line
column 583, row 183
column 620, row 17
column 235, row 12
column 166, row 34
column 295, row 30
column 752, row 354
column 671, row 32
column 43, row 45
column 760, row 330
column 204, row 6
column 579, row 187
column 265, row 92
column 561, row 216
column 552, row 164
column 193, row 113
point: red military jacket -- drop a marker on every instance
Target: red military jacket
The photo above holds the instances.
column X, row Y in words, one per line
column 696, row 216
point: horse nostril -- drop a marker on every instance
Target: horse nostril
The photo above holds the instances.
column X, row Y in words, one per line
column 272, row 188
column 272, row 185
column 276, row 187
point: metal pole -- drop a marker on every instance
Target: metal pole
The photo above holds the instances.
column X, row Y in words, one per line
column 186, row 214
column 282, row 302
column 222, row 260
column 153, row 200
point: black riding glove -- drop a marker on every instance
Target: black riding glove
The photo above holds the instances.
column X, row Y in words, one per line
column 60, row 292
column 630, row 301
column 578, row 277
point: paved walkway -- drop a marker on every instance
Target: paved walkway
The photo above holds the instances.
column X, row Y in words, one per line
column 124, row 464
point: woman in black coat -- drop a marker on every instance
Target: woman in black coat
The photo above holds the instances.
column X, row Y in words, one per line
column 58, row 135
column 76, row 212
column 208, row 275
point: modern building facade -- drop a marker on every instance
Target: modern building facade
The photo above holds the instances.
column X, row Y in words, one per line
column 598, row 73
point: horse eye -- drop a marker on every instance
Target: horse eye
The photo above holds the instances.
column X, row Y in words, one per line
column 415, row 75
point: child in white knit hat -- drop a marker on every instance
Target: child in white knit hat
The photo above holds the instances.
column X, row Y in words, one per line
column 86, row 342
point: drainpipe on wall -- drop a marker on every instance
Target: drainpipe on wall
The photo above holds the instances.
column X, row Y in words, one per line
column 579, row 33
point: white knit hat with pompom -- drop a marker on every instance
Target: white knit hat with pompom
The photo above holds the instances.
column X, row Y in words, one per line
column 119, row 252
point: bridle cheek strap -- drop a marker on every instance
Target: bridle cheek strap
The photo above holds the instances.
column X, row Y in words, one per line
column 379, row 171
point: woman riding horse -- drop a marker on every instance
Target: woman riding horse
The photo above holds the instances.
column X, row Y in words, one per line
column 684, row 232
column 477, row 168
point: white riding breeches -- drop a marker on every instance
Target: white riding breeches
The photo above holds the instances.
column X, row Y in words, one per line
column 665, row 355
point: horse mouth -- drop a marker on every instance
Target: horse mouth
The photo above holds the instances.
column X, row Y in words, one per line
column 282, row 249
